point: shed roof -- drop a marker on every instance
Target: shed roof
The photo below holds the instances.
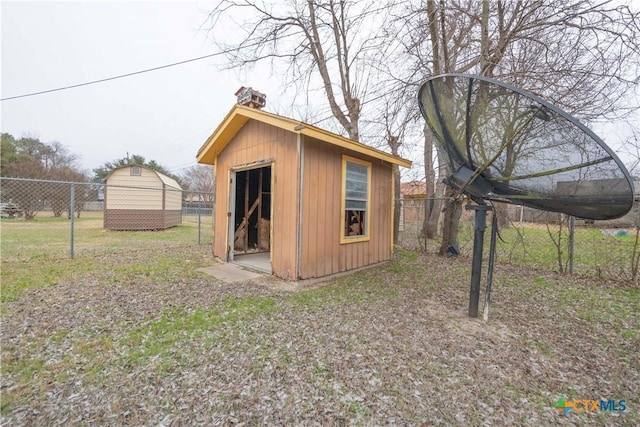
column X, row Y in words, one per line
column 239, row 115
column 414, row 189
column 166, row 180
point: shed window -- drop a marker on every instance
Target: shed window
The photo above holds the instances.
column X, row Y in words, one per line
column 356, row 193
column 135, row 171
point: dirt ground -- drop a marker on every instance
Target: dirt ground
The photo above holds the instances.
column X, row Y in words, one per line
column 390, row 345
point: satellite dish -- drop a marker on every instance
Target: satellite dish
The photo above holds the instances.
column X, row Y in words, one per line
column 505, row 144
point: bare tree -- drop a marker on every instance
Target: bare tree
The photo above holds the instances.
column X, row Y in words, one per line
column 199, row 179
column 334, row 41
column 582, row 55
column 59, row 193
column 58, row 156
column 339, row 43
column 391, row 121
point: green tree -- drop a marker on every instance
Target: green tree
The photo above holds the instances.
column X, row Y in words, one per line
column 30, row 150
column 8, row 150
column 30, row 158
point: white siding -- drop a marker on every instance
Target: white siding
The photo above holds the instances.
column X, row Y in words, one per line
column 148, row 195
column 173, row 200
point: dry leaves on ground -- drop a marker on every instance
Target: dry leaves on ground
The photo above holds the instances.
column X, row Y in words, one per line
column 388, row 345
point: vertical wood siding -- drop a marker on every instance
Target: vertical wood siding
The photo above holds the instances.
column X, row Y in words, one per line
column 254, row 142
column 322, row 254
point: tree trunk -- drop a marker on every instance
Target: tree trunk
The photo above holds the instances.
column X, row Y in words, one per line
column 452, row 214
column 394, row 144
column 501, row 210
column 397, row 203
column 430, row 183
column 436, row 211
column 434, row 215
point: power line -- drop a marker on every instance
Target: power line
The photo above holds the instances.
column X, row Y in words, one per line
column 113, row 78
column 211, row 55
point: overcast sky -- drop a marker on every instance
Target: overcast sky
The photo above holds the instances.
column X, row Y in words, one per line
column 163, row 115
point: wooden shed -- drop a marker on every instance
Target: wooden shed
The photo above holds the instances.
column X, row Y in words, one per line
column 295, row 200
column 139, row 198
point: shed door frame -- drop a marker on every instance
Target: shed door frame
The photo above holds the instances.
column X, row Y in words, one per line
column 231, row 214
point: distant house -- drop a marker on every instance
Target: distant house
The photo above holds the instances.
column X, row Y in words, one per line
column 139, row 198
column 295, row 200
column 412, row 200
column 414, row 190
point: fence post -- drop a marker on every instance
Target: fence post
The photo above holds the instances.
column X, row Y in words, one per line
column 199, row 222
column 72, row 211
column 572, row 230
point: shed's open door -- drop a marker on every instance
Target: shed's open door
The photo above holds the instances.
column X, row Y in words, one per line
column 251, row 218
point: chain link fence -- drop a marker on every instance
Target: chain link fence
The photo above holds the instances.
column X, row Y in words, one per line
column 37, row 220
column 53, row 217
column 536, row 239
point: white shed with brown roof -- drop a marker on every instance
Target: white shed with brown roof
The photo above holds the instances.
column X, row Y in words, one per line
column 140, row 198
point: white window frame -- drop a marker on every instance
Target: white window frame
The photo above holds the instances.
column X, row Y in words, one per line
column 365, row 236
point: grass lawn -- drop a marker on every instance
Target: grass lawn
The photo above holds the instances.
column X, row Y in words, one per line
column 598, row 253
column 128, row 333
column 36, row 253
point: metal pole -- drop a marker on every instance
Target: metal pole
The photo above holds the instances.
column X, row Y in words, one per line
column 478, row 246
column 199, row 228
column 492, row 257
column 72, row 211
column 421, row 230
column 572, row 231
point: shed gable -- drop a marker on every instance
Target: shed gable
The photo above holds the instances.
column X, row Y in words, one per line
column 239, row 115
